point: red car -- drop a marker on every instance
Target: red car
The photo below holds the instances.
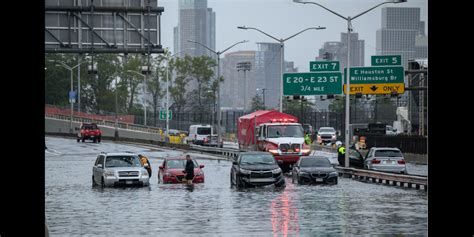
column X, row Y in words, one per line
column 89, row 131
column 171, row 171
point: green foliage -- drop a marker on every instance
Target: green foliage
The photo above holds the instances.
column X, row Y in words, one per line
column 337, row 104
column 257, row 103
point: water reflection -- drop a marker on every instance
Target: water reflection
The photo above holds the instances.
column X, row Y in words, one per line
column 284, row 215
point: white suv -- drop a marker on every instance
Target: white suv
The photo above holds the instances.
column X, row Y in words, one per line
column 113, row 169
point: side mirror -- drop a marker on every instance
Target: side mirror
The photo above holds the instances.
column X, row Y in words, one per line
column 161, row 167
column 146, row 165
column 235, row 163
column 201, row 166
column 100, row 166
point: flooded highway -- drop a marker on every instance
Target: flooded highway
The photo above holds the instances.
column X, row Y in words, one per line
column 74, row 207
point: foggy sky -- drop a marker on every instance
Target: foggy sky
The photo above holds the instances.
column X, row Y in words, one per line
column 283, row 18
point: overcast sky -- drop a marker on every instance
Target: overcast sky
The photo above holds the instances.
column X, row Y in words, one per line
column 283, row 18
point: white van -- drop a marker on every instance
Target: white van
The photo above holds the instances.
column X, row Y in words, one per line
column 197, row 133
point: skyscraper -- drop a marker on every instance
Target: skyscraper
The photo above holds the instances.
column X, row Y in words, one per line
column 196, row 22
column 400, row 28
column 338, row 51
column 235, row 90
column 268, row 72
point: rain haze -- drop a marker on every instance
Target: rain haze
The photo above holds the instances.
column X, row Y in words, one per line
column 283, row 18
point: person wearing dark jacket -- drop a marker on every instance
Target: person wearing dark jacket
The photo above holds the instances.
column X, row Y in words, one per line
column 189, row 170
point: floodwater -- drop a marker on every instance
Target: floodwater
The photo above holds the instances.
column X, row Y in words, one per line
column 213, row 208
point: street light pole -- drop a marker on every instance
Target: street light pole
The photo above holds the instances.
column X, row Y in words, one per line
column 349, row 29
column 282, row 46
column 218, row 54
column 71, row 101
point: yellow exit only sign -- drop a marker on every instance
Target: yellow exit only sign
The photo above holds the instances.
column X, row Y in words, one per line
column 369, row 89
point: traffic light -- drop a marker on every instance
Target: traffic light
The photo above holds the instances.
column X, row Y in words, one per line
column 92, row 69
column 296, row 97
column 358, row 95
column 330, row 96
column 145, row 70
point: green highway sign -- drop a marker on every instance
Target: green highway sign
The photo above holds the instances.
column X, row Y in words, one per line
column 324, row 66
column 312, row 83
column 386, row 60
column 163, row 114
column 376, row 75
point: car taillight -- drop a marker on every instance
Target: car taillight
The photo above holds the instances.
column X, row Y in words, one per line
column 402, row 162
column 273, row 151
column 374, row 161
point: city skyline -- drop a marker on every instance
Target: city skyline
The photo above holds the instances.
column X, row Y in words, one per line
column 270, row 16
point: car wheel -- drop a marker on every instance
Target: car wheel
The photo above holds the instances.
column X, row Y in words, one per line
column 93, row 181
column 102, row 183
column 238, row 183
column 94, row 140
column 78, row 139
column 231, row 181
column 98, row 139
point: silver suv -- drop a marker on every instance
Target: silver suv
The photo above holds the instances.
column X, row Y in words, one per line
column 113, row 169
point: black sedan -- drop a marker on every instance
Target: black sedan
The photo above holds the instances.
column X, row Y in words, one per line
column 256, row 169
column 314, row 169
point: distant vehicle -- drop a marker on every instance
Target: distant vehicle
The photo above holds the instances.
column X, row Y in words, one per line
column 171, row 171
column 114, row 169
column 197, row 133
column 326, row 135
column 212, row 140
column 89, row 131
column 314, row 169
column 389, row 130
column 274, row 132
column 385, row 159
column 256, row 168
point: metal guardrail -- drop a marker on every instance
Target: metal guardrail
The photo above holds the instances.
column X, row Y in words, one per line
column 135, row 127
column 412, row 181
column 227, row 152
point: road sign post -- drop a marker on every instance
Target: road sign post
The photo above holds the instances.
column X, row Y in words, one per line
column 312, row 83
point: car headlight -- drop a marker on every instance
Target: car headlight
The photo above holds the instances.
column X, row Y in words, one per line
column 303, row 173
column 109, row 173
column 334, row 173
column 244, row 171
column 168, row 174
column 276, row 171
column 200, row 173
column 145, row 174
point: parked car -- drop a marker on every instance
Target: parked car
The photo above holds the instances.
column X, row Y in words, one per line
column 89, row 131
column 171, row 171
column 314, row 169
column 385, row 159
column 256, row 168
column 113, row 169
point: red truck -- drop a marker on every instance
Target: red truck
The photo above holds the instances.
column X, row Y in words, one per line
column 274, row 132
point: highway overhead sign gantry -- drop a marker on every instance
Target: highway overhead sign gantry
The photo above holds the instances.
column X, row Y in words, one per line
column 376, row 80
column 312, row 83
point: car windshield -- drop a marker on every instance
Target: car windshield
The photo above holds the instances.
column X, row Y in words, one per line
column 204, row 131
column 257, row 159
column 315, row 162
column 285, row 131
column 326, row 130
column 91, row 126
column 122, row 161
column 178, row 164
column 387, row 153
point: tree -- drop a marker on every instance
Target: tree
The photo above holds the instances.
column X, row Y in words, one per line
column 337, row 105
column 257, row 103
column 201, row 71
column 297, row 108
column 57, row 79
column 154, row 82
column 178, row 89
column 133, row 63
